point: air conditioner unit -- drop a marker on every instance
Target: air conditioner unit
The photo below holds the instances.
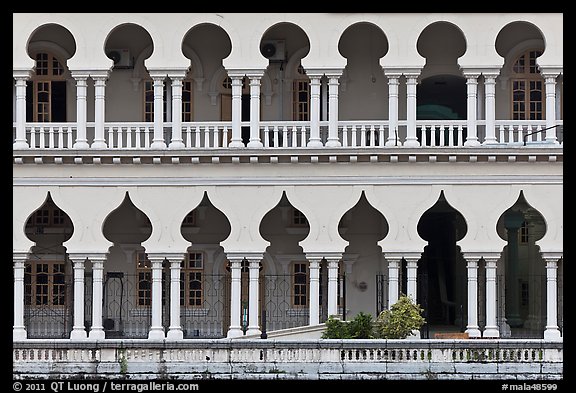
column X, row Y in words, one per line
column 273, row 50
column 121, row 57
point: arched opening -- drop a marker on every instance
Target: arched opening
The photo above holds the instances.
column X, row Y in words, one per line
column 48, row 276
column 284, row 45
column 129, row 88
column 442, row 276
column 521, row 282
column 204, row 282
column 363, row 44
column 286, row 296
column 47, row 93
column 127, row 293
column 366, row 273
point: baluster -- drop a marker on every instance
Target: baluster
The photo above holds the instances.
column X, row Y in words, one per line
column 501, row 133
column 276, row 139
column 354, row 135
column 285, row 136
column 128, row 137
column 266, row 137
column 137, row 137
column 345, row 136
column 441, row 140
column 121, row 137
column 60, row 136
column 42, row 134
column 32, row 138
column 424, row 133
column 303, row 136
column 511, row 133
column 225, row 137
column 460, row 135
column 51, row 137
column 372, row 136
column 294, row 136
column 207, row 136
column 146, row 137
column 110, row 140
column 381, row 136
column 69, row 140
column 363, row 136
column 197, row 137
column 538, row 133
column 187, row 133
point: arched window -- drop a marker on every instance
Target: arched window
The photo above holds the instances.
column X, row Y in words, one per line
column 527, row 87
column 301, row 96
column 46, row 92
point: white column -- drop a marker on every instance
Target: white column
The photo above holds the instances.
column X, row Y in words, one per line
column 491, row 329
column 156, row 329
column 20, row 142
column 333, row 286
column 472, row 326
column 176, row 140
column 253, row 296
column 550, row 80
column 81, row 89
column 411, row 140
column 490, row 107
column 411, row 277
column 97, row 330
column 78, row 331
column 314, row 306
column 551, row 332
column 19, row 329
column 255, row 111
column 393, row 110
column 333, row 140
column 175, row 328
column 315, row 140
column 99, row 112
column 235, row 329
column 471, row 119
column 158, row 140
column 236, row 140
column 393, row 284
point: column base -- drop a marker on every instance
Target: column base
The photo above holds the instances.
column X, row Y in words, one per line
column 78, row 334
column 81, row 145
column 158, row 145
column 411, row 143
column 234, row 143
column 99, row 145
column 491, row 332
column 156, row 333
column 97, row 334
column 175, row 334
column 253, row 330
column 176, row 145
column 471, row 143
column 19, row 333
column 392, row 142
column 491, row 141
column 552, row 333
column 255, row 144
column 234, row 331
column 314, row 143
column 552, row 140
column 333, row 143
column 19, row 145
column 473, row 332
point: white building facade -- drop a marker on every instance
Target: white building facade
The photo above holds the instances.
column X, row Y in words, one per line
column 181, row 176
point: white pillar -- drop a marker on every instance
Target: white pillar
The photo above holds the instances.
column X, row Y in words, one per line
column 235, row 329
column 236, row 140
column 156, row 329
column 314, row 305
column 20, row 142
column 255, row 141
column 550, row 80
column 411, row 140
column 19, row 329
column 78, row 331
column 97, row 330
column 551, row 332
column 491, row 329
column 490, row 107
column 333, row 140
column 81, row 89
column 393, row 110
column 158, row 140
column 253, row 296
column 99, row 111
column 411, row 277
column 393, row 284
column 471, row 120
column 176, row 139
column 315, row 140
column 175, row 328
column 333, row 286
column 472, row 326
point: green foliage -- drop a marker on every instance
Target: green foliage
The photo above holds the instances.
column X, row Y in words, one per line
column 123, row 362
column 403, row 317
column 360, row 327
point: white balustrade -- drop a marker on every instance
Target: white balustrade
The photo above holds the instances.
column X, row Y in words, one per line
column 363, row 133
column 515, row 132
column 441, row 133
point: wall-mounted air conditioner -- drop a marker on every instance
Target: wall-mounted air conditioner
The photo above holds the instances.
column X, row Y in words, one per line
column 121, row 57
column 273, row 50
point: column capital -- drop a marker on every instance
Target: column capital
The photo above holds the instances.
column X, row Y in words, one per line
column 177, row 74
column 491, row 257
column 100, row 74
column 236, row 73
column 157, row 75
column 392, row 75
column 552, row 256
column 473, row 256
column 20, row 256
column 471, row 77
column 22, row 74
column 550, row 71
column 254, row 74
column 80, row 74
column 77, row 257
column 244, row 255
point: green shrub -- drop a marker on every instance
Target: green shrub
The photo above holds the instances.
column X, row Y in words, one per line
column 335, row 328
column 403, row 317
column 361, row 326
